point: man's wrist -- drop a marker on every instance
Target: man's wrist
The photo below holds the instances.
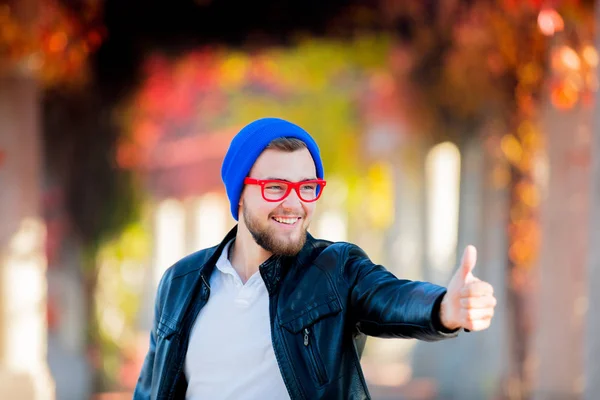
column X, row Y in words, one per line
column 437, row 316
column 445, row 325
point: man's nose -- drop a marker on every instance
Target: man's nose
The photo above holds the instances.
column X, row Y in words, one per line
column 292, row 200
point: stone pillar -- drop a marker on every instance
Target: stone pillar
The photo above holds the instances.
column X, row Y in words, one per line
column 23, row 370
column 592, row 344
column 564, row 216
column 482, row 220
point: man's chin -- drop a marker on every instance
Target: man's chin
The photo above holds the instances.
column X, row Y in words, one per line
column 289, row 247
column 287, row 252
column 279, row 243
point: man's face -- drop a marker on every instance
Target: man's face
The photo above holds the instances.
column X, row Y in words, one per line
column 278, row 227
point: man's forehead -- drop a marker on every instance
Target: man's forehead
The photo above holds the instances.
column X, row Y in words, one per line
column 279, row 178
column 276, row 164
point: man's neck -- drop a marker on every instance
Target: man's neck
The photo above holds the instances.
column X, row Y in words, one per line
column 246, row 256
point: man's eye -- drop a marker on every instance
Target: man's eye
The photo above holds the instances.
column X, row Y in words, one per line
column 274, row 187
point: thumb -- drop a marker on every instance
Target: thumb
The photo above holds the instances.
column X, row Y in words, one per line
column 467, row 264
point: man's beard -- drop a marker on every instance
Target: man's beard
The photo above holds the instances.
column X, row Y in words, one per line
column 268, row 240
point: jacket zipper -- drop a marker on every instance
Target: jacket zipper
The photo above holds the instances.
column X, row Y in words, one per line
column 315, row 361
column 272, row 313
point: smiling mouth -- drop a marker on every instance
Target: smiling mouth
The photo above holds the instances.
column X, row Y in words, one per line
column 286, row 220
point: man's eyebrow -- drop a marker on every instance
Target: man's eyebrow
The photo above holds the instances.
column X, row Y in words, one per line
column 287, row 180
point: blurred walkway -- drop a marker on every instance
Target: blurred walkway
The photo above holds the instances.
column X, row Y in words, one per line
column 414, row 390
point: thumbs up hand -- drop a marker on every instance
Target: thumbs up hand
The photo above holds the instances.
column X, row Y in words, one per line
column 469, row 302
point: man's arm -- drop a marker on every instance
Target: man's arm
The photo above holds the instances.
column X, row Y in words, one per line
column 389, row 307
column 386, row 306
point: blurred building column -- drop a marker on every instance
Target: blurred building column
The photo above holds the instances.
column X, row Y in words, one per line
column 564, row 218
column 23, row 369
column 24, row 373
column 482, row 219
column 592, row 346
column 483, row 211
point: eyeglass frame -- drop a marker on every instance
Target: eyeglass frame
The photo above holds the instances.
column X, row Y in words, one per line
column 290, row 186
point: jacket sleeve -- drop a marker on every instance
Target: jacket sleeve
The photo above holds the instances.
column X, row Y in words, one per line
column 385, row 306
column 143, row 388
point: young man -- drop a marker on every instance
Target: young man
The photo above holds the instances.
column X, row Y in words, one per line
column 273, row 313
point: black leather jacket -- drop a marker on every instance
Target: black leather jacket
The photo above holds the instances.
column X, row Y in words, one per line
column 322, row 304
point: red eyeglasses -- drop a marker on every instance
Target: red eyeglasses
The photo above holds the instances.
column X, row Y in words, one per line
column 277, row 190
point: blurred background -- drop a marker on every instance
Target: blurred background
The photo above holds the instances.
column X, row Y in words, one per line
column 441, row 123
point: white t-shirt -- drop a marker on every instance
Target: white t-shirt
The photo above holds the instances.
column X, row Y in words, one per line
column 230, row 353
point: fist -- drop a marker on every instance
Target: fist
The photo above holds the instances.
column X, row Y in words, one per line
column 469, row 302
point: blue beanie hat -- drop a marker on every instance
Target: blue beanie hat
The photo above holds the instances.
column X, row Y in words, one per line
column 249, row 143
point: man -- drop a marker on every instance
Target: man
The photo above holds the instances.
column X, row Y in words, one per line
column 273, row 313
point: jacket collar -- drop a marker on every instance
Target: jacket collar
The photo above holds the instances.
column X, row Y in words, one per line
column 273, row 270
column 213, row 255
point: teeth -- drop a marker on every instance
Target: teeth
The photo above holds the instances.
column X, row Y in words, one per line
column 288, row 221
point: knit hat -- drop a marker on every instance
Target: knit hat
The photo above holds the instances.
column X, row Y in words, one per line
column 247, row 146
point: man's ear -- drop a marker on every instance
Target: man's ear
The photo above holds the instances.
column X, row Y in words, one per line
column 240, row 211
column 241, row 201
